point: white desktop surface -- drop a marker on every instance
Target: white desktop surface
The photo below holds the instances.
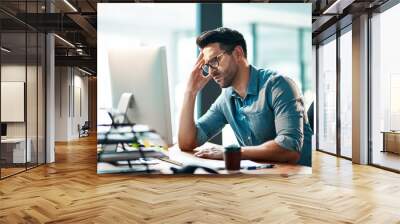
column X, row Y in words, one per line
column 19, row 149
column 187, row 158
column 178, row 158
column 12, row 140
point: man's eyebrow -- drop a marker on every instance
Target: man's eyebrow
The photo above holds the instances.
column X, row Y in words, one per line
column 211, row 58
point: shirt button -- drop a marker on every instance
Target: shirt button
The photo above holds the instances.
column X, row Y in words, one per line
column 248, row 138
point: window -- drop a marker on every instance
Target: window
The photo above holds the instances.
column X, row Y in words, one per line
column 22, row 77
column 346, row 94
column 327, row 96
column 385, row 88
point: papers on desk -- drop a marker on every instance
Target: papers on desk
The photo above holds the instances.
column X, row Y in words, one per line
column 130, row 155
column 129, row 134
column 104, row 168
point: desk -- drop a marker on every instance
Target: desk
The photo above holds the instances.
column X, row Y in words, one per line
column 178, row 158
column 391, row 141
column 13, row 150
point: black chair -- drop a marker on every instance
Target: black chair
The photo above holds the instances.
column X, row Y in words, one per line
column 305, row 158
column 310, row 115
column 84, row 130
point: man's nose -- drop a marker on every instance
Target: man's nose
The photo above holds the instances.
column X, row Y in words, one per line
column 213, row 71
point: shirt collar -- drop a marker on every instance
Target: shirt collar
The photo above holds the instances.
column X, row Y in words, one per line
column 252, row 86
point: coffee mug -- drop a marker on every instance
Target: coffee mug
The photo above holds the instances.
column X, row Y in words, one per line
column 232, row 157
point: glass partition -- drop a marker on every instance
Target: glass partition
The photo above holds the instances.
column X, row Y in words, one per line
column 346, row 94
column 22, row 90
column 327, row 96
column 385, row 89
column 13, row 105
column 41, row 107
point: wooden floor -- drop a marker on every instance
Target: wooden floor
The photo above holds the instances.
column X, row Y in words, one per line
column 10, row 171
column 387, row 159
column 70, row 191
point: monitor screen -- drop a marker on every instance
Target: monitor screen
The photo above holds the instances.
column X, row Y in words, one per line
column 3, row 129
column 142, row 71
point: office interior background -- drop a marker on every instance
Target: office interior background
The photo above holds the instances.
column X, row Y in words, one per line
column 357, row 84
column 354, row 49
column 48, row 82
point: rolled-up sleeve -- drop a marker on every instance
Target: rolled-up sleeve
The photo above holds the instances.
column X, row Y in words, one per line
column 211, row 123
column 288, row 109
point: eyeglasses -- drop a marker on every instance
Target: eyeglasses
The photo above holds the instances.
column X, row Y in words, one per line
column 213, row 63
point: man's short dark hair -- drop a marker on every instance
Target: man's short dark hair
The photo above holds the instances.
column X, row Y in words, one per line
column 227, row 38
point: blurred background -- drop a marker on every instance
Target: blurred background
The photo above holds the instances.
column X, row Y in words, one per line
column 274, row 43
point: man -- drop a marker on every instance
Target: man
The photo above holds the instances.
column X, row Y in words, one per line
column 264, row 109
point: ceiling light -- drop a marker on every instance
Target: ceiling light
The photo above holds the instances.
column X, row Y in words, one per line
column 65, row 41
column 84, row 71
column 337, row 7
column 70, row 5
column 5, row 50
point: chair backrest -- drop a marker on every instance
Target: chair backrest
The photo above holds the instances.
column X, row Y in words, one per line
column 123, row 106
column 86, row 125
column 310, row 115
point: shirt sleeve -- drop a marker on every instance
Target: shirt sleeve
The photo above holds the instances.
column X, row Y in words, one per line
column 211, row 123
column 288, row 108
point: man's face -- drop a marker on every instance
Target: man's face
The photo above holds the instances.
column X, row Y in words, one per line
column 226, row 69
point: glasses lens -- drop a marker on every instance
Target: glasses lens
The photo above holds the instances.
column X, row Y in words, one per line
column 213, row 63
column 205, row 69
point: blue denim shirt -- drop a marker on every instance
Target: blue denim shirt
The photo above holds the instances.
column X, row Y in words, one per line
column 273, row 109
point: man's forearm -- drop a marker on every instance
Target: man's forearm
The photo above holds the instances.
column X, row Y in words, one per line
column 270, row 151
column 187, row 128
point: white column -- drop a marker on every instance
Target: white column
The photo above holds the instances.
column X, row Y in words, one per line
column 360, row 90
column 50, row 92
column 50, row 99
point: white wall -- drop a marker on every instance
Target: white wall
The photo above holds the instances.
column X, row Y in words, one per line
column 71, row 87
column 33, row 126
column 15, row 73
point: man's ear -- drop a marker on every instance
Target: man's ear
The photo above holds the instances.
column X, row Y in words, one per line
column 238, row 52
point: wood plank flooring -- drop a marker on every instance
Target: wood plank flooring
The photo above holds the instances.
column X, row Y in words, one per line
column 388, row 159
column 70, row 191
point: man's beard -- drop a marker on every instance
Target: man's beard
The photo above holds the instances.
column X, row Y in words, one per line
column 228, row 79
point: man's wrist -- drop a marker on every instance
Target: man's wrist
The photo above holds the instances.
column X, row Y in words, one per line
column 191, row 93
column 243, row 153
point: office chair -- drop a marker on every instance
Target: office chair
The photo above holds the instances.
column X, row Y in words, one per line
column 305, row 157
column 84, row 130
column 310, row 115
column 119, row 115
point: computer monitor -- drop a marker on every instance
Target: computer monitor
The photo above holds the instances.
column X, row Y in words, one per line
column 143, row 72
column 3, row 129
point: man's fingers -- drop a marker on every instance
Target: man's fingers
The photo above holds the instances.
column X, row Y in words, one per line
column 200, row 56
column 205, row 153
column 200, row 63
column 198, row 153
